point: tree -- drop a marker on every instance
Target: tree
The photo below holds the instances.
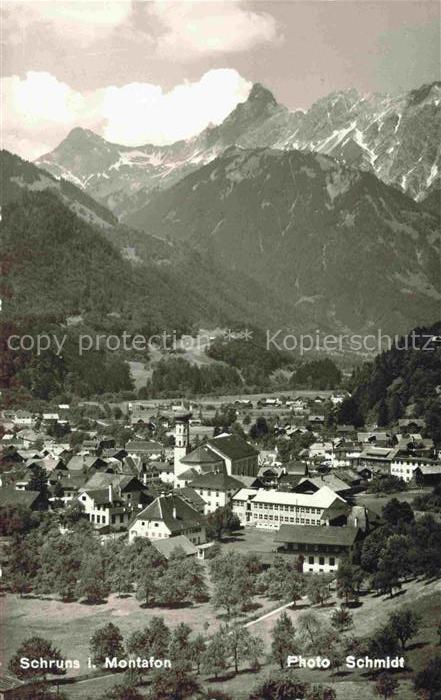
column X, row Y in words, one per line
column 153, row 640
column 92, row 584
column 38, row 482
column 345, row 580
column 242, row 645
column 373, row 545
column 284, row 582
column 233, row 582
column 197, row 650
column 341, row 619
column 405, row 623
column 188, row 574
column 428, row 681
column 395, row 512
column 284, row 640
column 386, row 686
column 226, row 595
column 393, row 564
column 309, row 626
column 336, row 656
column 179, row 642
column 383, row 414
column 119, row 575
column 215, row 659
column 318, row 589
column 221, row 521
column 37, row 648
column 174, row 684
column 106, row 642
column 259, row 429
column 281, row 685
column 384, row 642
column 426, row 534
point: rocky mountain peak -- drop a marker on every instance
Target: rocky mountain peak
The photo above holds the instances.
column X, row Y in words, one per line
column 79, row 136
column 261, row 94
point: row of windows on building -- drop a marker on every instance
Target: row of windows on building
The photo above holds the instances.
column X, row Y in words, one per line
column 321, row 561
column 102, row 519
column 287, row 519
column 287, row 508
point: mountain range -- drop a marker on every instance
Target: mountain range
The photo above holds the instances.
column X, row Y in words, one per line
column 396, row 138
column 325, row 219
column 333, row 240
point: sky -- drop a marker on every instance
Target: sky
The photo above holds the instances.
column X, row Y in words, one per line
column 159, row 71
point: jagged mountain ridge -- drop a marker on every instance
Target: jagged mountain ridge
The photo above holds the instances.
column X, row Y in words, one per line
column 333, row 240
column 397, row 138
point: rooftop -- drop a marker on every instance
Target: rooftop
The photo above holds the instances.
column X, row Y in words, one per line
column 169, row 545
column 174, row 511
column 311, row 534
column 322, row 498
column 216, row 480
column 201, row 455
column 232, row 447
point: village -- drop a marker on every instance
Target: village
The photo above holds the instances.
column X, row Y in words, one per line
column 314, row 511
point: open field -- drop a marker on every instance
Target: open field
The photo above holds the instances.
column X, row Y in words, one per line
column 69, row 626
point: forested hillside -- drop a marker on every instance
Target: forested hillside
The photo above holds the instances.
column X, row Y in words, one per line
column 403, row 380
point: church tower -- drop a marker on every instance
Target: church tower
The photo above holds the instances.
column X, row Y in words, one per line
column 182, row 441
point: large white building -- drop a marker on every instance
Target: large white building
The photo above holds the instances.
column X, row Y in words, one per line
column 270, row 509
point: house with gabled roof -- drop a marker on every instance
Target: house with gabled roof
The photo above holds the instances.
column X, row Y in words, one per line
column 85, row 463
column 319, row 549
column 428, row 474
column 169, row 515
column 145, row 448
column 105, row 509
column 216, row 488
column 127, row 487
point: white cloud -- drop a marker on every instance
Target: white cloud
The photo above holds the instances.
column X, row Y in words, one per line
column 39, row 110
column 194, row 29
column 141, row 112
